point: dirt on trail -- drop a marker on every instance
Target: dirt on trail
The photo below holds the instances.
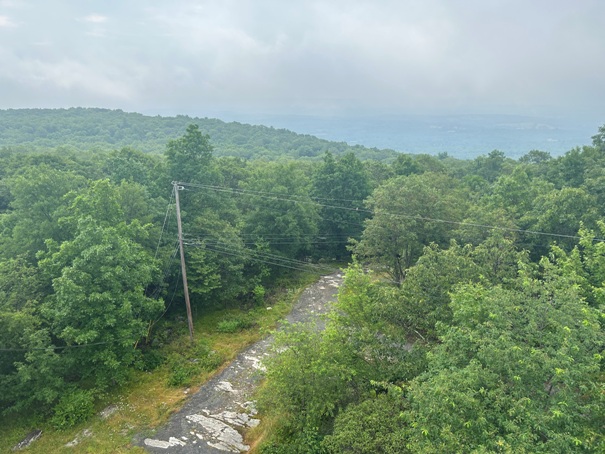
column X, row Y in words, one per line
column 214, row 418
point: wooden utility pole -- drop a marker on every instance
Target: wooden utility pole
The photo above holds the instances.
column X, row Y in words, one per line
column 177, row 188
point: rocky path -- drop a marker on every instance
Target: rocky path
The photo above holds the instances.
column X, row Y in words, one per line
column 214, row 418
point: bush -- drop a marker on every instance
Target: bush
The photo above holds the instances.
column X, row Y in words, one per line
column 73, row 408
column 181, row 370
column 259, row 294
column 233, row 325
column 373, row 426
column 149, row 360
column 185, row 366
column 308, row 441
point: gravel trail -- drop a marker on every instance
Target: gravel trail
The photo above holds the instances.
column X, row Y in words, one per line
column 213, row 419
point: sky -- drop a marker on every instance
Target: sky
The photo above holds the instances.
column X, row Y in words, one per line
column 312, row 57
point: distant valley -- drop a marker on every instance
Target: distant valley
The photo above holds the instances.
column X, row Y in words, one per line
column 378, row 137
column 461, row 136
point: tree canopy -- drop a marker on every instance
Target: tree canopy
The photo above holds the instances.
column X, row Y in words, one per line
column 471, row 319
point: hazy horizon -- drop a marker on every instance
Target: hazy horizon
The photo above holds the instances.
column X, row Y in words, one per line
column 462, row 136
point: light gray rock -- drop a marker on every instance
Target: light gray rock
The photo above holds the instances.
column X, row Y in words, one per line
column 108, row 411
column 28, row 440
column 225, row 386
column 219, row 433
column 172, row 441
column 86, row 433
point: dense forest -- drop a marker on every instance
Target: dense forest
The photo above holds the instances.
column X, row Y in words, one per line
column 80, row 129
column 471, row 319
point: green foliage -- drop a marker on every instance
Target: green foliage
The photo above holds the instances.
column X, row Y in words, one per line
column 98, row 280
column 129, row 164
column 482, row 346
column 150, row 360
column 372, row 426
column 318, row 375
column 405, row 165
column 73, row 408
column 424, row 300
column 188, row 155
column 515, row 371
column 102, row 129
column 340, row 186
column 307, row 381
column 586, row 263
column 366, row 325
column 188, row 363
column 563, row 211
column 269, row 217
column 307, row 441
column 38, row 200
column 218, row 262
column 233, row 325
column 493, row 165
column 259, row 294
column 406, row 213
column 516, row 192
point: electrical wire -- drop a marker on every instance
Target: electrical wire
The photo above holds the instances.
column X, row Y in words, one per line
column 299, row 268
column 275, row 243
column 166, row 270
column 265, row 255
column 261, row 193
column 63, row 347
column 176, row 285
column 168, row 210
column 259, row 256
column 287, row 197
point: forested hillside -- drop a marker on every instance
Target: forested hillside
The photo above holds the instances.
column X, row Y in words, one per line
column 103, row 129
column 471, row 319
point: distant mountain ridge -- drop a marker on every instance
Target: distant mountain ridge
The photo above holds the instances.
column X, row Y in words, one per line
column 461, row 136
column 105, row 129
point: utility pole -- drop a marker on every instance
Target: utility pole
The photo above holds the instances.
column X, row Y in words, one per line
column 178, row 188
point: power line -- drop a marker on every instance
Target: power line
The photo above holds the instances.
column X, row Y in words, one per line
column 261, row 193
column 168, row 210
column 345, row 240
column 63, row 347
column 166, row 270
column 268, row 262
column 288, row 198
column 270, row 259
column 280, row 236
column 176, row 284
column 233, row 247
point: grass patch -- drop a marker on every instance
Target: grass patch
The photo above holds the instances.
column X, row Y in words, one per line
column 160, row 383
column 233, row 325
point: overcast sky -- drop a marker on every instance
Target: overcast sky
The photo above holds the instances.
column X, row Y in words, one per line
column 307, row 57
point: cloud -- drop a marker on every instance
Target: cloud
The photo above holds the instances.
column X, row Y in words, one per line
column 6, row 22
column 95, row 18
column 66, row 77
column 271, row 55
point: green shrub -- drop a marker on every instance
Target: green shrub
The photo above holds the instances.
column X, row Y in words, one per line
column 149, row 360
column 182, row 370
column 73, row 408
column 259, row 294
column 185, row 366
column 233, row 325
column 211, row 361
column 308, row 441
